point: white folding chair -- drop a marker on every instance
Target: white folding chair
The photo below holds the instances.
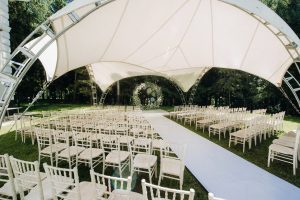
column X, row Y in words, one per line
column 163, row 193
column 29, row 178
column 45, row 144
column 91, row 156
column 142, row 159
column 70, row 153
column 116, row 158
column 285, row 153
column 8, row 189
column 171, row 166
column 65, row 184
column 105, row 185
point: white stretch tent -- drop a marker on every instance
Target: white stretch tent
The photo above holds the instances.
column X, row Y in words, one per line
column 176, row 39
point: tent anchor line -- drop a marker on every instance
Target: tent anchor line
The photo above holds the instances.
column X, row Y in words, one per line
column 23, row 58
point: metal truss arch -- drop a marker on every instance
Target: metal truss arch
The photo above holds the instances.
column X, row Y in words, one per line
column 23, row 58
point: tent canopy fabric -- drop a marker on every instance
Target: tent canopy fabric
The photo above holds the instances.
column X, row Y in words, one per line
column 175, row 39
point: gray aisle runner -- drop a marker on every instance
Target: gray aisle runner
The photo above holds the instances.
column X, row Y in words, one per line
column 220, row 171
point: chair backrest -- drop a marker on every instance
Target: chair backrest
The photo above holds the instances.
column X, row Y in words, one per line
column 168, row 152
column 44, row 138
column 85, row 139
column 27, row 175
column 110, row 182
column 140, row 149
column 63, row 182
column 158, row 192
column 109, row 142
column 6, row 174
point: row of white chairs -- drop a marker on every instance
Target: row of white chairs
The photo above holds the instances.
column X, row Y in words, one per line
column 138, row 156
column 25, row 179
column 286, row 149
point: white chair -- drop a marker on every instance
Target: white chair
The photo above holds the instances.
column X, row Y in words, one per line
column 26, row 128
column 8, row 189
column 70, row 153
column 142, row 160
column 163, row 193
column 65, row 184
column 171, row 166
column 284, row 153
column 158, row 143
column 45, row 144
column 211, row 196
column 116, row 158
column 91, row 156
column 105, row 185
column 29, row 178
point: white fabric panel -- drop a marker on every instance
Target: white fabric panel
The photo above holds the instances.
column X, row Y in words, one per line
column 107, row 73
column 264, row 52
column 185, row 78
column 173, row 35
column 198, row 51
column 48, row 58
column 168, row 36
column 230, row 47
column 79, row 50
column 140, row 22
column 258, row 8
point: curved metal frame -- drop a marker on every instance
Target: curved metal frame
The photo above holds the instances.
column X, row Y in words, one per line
column 10, row 81
column 103, row 96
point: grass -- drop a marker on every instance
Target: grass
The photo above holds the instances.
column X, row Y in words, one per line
column 29, row 152
column 258, row 155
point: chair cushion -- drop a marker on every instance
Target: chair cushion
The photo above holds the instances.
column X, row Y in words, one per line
column 144, row 161
column 281, row 149
column 171, row 166
column 90, row 153
column 116, row 156
column 73, row 151
column 87, row 191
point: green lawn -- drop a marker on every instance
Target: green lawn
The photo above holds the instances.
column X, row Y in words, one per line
column 30, row 153
column 258, row 154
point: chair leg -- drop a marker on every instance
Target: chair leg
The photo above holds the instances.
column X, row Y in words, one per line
column 269, row 158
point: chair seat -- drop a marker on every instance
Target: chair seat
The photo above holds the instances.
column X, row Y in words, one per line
column 87, row 191
column 285, row 143
column 73, row 151
column 144, row 161
column 6, row 189
column 142, row 141
column 205, row 121
column 35, row 193
column 125, row 139
column 281, row 149
column 171, row 166
column 55, row 148
column 90, row 153
column 116, row 156
column 241, row 133
column 158, row 144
